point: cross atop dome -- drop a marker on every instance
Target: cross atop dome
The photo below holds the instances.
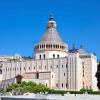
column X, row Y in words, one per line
column 51, row 18
column 51, row 23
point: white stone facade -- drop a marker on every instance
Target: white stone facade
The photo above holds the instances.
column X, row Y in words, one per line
column 62, row 73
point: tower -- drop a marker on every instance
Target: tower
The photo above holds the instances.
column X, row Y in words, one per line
column 50, row 45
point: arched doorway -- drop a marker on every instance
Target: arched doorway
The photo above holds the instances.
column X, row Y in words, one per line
column 18, row 79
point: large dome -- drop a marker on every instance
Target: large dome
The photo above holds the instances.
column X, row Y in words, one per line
column 51, row 40
column 51, row 34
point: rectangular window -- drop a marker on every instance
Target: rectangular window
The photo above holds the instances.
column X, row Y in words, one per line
column 57, row 66
column 66, row 85
column 40, row 57
column 83, row 73
column 64, row 74
column 66, row 65
column 44, row 56
column 37, row 75
column 57, row 56
column 83, row 67
column 51, row 67
column 62, row 85
column 83, row 83
column 52, row 76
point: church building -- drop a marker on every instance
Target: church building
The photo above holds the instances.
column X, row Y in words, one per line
column 53, row 64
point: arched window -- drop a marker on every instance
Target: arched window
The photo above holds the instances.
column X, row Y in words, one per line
column 49, row 46
column 66, row 85
column 83, row 83
column 52, row 76
column 44, row 56
column 83, row 74
column 66, row 65
column 18, row 79
column 45, row 67
column 46, row 46
column 57, row 66
column 42, row 46
column 56, row 46
column 51, row 67
column 53, row 46
column 83, row 67
column 29, row 68
column 53, row 55
column 0, row 71
column 57, row 56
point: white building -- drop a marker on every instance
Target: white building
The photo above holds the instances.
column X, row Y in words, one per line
column 54, row 65
column 17, row 57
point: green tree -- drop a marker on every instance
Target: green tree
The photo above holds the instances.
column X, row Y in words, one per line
column 82, row 90
column 28, row 87
column 89, row 91
column 2, row 90
column 98, row 76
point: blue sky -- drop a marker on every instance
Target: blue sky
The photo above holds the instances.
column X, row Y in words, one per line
column 23, row 23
